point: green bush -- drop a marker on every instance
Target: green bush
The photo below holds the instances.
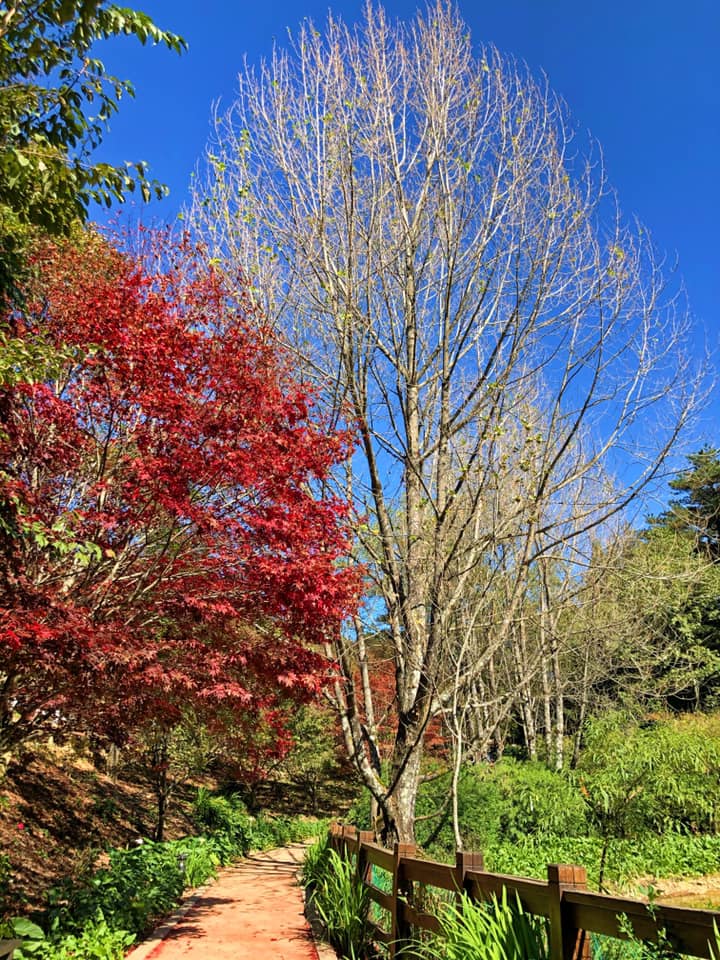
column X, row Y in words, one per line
column 503, row 801
column 225, row 815
column 96, row 941
column 201, row 859
column 481, row 810
column 671, row 855
column 657, row 777
column 20, row 928
column 234, row 832
column 537, row 800
column 6, row 873
column 138, row 885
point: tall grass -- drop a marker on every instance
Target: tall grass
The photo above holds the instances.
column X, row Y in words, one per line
column 314, row 866
column 496, row 930
column 341, row 901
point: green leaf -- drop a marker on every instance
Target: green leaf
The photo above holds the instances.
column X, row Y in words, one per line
column 24, row 928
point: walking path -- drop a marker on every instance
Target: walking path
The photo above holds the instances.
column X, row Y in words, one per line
column 253, row 910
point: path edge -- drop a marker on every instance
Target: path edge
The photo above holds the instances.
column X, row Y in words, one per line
column 322, row 947
column 145, row 948
column 152, row 943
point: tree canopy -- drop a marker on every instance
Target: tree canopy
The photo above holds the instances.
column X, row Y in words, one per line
column 49, row 84
column 163, row 535
column 55, row 102
column 425, row 229
column 697, row 511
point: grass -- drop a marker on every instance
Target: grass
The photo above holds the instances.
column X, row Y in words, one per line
column 341, row 901
column 496, row 930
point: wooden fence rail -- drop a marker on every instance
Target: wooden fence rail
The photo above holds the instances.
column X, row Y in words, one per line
column 572, row 911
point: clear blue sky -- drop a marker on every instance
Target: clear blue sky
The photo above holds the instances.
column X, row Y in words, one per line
column 643, row 76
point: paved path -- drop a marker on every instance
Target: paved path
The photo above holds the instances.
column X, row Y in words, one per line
column 253, row 910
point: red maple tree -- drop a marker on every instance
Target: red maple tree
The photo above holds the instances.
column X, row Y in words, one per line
column 164, row 536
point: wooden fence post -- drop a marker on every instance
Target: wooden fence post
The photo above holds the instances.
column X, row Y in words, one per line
column 465, row 861
column 364, row 868
column 400, row 929
column 566, row 942
column 335, row 835
column 347, row 833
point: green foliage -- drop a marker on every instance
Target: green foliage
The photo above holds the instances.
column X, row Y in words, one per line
column 98, row 918
column 315, row 862
column 660, row 777
column 670, row 855
column 313, row 756
column 698, row 509
column 694, row 519
column 96, row 941
column 497, row 802
column 233, row 831
column 478, row 790
column 536, row 800
column 57, row 99
column 226, row 818
column 633, row 948
column 649, row 611
column 497, row 930
column 20, row 928
column 218, row 811
column 15, row 238
column 644, row 801
column 610, row 948
column 342, row 903
column 137, row 885
column 5, row 874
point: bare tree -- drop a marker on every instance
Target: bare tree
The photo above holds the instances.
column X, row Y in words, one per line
column 455, row 276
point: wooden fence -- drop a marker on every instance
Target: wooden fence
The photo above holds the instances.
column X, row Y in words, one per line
column 572, row 911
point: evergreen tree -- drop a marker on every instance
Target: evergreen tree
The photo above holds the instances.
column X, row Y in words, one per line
column 698, row 509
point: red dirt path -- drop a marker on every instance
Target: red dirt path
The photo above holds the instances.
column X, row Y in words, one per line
column 253, row 910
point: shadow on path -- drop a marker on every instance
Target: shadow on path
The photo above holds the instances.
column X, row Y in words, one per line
column 253, row 910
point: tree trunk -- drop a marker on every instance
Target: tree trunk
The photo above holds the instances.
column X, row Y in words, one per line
column 162, row 786
column 522, row 680
column 400, row 807
column 559, row 758
column 457, row 767
column 584, row 695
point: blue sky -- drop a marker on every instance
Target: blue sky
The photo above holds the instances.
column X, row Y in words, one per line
column 643, row 77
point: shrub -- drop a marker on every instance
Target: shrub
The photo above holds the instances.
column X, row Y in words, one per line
column 503, row 801
column 313, row 757
column 138, row 885
column 6, row 873
column 657, row 777
column 96, row 941
column 536, row 800
column 234, row 832
column 223, row 814
column 20, row 928
column 672, row 855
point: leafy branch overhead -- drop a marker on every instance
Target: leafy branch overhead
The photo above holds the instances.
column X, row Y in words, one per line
column 55, row 102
